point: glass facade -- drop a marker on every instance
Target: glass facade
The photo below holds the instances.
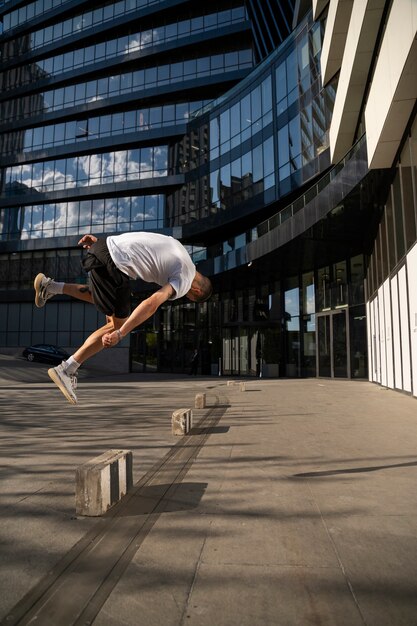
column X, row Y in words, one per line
column 91, row 169
column 59, row 143
column 267, row 139
column 98, row 127
column 125, row 83
column 271, row 23
column 120, row 47
column 62, row 219
column 73, row 25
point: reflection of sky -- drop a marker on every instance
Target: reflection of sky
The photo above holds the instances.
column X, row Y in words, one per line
column 107, row 215
column 292, row 307
column 311, row 302
column 141, row 40
column 292, row 302
column 93, row 169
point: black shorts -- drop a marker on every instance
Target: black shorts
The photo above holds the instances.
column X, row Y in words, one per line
column 109, row 286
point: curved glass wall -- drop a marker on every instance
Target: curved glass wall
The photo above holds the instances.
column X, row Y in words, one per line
column 311, row 206
column 241, row 157
column 118, row 48
column 263, row 141
column 28, row 12
column 97, row 127
column 125, row 83
column 87, row 170
column 62, row 219
column 260, row 141
column 85, row 20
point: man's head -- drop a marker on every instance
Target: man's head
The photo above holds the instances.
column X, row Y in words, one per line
column 201, row 288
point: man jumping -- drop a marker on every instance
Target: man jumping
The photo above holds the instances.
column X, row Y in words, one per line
column 110, row 263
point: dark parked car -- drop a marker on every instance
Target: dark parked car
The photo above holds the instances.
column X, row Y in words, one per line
column 45, row 353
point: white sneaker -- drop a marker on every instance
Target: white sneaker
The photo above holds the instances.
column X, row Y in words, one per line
column 66, row 383
column 42, row 293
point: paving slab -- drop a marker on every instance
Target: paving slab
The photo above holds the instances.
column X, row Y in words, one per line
column 290, row 504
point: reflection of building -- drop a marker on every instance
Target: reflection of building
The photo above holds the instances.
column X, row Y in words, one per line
column 271, row 23
column 12, row 219
column 11, row 222
column 293, row 182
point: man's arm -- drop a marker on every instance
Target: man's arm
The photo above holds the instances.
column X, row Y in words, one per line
column 143, row 311
column 87, row 241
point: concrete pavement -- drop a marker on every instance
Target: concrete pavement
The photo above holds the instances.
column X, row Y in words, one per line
column 292, row 503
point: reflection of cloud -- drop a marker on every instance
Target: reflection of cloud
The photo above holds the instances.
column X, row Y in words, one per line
column 145, row 214
column 311, row 303
column 120, row 165
column 160, row 162
column 37, row 213
column 292, row 303
column 141, row 40
column 95, row 166
column 92, row 169
column 58, row 219
column 47, row 179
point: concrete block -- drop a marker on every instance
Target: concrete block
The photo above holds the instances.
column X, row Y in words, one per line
column 242, row 386
column 102, row 481
column 182, row 421
column 200, row 401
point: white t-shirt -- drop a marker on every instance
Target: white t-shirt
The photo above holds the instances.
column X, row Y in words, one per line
column 154, row 258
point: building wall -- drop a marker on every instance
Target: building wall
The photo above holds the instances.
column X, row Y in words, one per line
column 392, row 280
column 227, row 157
column 373, row 50
column 266, row 139
column 90, row 113
column 287, row 189
column 393, row 90
column 94, row 103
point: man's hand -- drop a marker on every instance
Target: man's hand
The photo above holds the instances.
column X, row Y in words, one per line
column 110, row 339
column 87, row 241
column 143, row 312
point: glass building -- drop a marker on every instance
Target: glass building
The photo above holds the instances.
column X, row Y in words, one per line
column 235, row 127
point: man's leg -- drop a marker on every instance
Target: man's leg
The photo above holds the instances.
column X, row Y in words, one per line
column 93, row 344
column 80, row 292
column 46, row 288
column 64, row 375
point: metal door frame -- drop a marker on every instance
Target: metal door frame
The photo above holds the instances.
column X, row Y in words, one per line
column 331, row 315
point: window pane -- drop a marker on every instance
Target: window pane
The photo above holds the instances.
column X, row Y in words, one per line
column 245, row 112
column 257, row 164
column 235, row 119
column 268, row 156
column 266, row 95
column 408, row 197
column 292, row 71
column 225, row 126
column 283, row 146
column 256, row 109
column 398, row 216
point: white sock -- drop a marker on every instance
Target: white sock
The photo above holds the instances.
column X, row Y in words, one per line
column 55, row 287
column 71, row 366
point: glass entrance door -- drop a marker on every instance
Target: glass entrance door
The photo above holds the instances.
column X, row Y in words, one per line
column 231, row 351
column 323, row 351
column 333, row 358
